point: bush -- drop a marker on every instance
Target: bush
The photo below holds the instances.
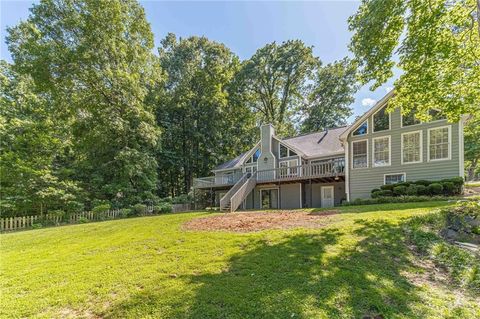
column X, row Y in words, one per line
column 448, row 188
column 163, row 208
column 400, row 190
column 388, row 187
column 435, row 189
column 182, row 199
column 412, row 190
column 403, row 199
column 375, row 190
column 125, row 212
column 421, row 189
column 422, row 182
column 83, row 220
column 384, row 193
column 139, row 210
column 101, row 208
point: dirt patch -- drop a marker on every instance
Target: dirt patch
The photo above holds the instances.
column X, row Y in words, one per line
column 256, row 221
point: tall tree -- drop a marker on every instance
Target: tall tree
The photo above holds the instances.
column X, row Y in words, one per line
column 276, row 80
column 437, row 43
column 33, row 142
column 94, row 59
column 472, row 147
column 327, row 104
column 201, row 114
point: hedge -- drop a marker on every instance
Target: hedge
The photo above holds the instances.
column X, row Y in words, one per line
column 445, row 187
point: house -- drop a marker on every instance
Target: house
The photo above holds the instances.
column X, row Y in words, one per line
column 324, row 169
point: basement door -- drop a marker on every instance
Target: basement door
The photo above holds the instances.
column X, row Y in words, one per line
column 327, row 196
column 269, row 198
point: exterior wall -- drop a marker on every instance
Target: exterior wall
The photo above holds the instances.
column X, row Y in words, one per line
column 290, row 196
column 339, row 193
column 363, row 180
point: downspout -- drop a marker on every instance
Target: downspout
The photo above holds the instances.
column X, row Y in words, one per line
column 347, row 175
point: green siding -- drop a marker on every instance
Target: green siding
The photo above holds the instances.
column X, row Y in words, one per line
column 363, row 180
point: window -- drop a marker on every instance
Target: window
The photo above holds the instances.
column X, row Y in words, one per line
column 256, row 155
column 436, row 115
column 381, row 120
column 412, row 147
column 439, row 143
column 286, row 152
column 250, row 169
column 381, row 151
column 360, row 154
column 409, row 119
column 361, row 130
column 394, row 178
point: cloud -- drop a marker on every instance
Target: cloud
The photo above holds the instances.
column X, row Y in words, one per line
column 368, row 102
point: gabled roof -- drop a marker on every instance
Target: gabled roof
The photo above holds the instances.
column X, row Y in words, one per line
column 318, row 144
column 365, row 116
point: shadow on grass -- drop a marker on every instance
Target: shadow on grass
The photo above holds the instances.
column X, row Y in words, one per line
column 327, row 275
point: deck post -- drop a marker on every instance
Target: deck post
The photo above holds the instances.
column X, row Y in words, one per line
column 311, row 194
column 279, row 196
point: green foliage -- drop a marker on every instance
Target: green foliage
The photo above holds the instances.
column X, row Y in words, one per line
column 139, row 209
column 412, row 190
column 435, row 189
column 182, row 199
column 101, row 209
column 163, row 208
column 448, row 188
column 387, row 199
column 400, row 190
column 125, row 212
column 472, row 148
column 330, row 97
column 440, row 69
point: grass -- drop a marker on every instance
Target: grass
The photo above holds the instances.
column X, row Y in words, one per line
column 472, row 184
column 149, row 267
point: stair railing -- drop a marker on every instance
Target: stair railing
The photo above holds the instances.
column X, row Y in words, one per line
column 237, row 198
column 225, row 200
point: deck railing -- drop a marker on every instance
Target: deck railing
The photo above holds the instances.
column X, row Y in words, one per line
column 317, row 169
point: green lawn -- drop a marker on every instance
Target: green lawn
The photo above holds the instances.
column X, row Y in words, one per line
column 149, row 267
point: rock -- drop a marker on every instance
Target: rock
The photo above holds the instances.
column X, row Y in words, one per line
column 451, row 233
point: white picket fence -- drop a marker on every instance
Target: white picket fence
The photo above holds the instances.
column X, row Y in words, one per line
column 24, row 222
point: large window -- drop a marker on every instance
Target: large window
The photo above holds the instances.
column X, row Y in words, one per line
column 439, row 143
column 412, row 147
column 360, row 154
column 361, row 130
column 381, row 151
column 394, row 178
column 286, row 152
column 381, row 120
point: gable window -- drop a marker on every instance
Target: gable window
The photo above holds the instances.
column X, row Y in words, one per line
column 286, row 152
column 254, row 157
column 409, row 119
column 361, row 130
column 389, row 179
column 439, row 140
column 360, row 154
column 381, row 120
column 381, row 151
column 436, row 115
column 412, row 147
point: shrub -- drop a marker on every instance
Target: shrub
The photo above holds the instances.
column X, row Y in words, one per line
column 400, row 190
column 403, row 199
column 412, row 190
column 388, row 187
column 83, row 220
column 139, row 210
column 422, row 182
column 435, row 189
column 421, row 189
column 375, row 190
column 125, row 212
column 448, row 188
column 385, row 193
column 182, row 199
column 163, row 208
column 101, row 208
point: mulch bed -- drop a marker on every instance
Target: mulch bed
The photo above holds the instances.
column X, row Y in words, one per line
column 257, row 221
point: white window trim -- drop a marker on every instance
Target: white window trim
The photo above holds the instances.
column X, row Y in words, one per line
column 401, row 121
column 288, row 151
column 368, row 157
column 421, row 147
column 266, row 189
column 449, row 127
column 385, row 177
column 389, row 150
column 353, row 131
column 389, row 119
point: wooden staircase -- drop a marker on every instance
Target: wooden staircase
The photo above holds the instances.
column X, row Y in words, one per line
column 235, row 196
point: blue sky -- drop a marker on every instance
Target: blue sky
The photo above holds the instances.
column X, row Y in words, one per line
column 244, row 26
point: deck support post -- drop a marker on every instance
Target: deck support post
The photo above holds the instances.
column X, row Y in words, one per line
column 311, row 194
column 279, row 196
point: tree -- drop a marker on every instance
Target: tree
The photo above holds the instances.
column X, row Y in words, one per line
column 201, row 114
column 276, row 80
column 94, row 60
column 32, row 143
column 472, row 147
column 437, row 43
column 328, row 103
